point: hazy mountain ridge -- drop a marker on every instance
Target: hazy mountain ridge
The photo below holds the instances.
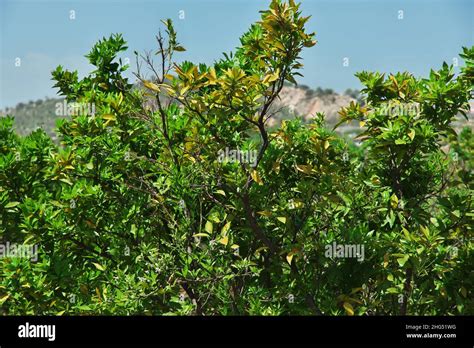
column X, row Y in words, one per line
column 34, row 114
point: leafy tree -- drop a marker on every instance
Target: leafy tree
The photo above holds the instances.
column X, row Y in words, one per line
column 141, row 210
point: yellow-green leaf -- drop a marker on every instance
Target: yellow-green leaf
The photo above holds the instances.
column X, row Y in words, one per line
column 3, row 299
column 276, row 167
column 66, row 180
column 151, row 85
column 394, row 201
column 226, row 228
column 266, row 213
column 425, row 231
column 400, row 141
column 271, row 77
column 349, row 309
column 212, row 74
column 208, row 227
column 402, row 260
column 200, row 235
column 109, row 117
column 406, row 233
column 224, row 240
column 99, row 266
column 256, row 177
column 289, row 257
column 375, row 180
column 385, row 260
column 304, row 168
column 279, row 45
column 297, row 204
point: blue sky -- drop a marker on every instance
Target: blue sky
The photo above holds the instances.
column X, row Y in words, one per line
column 367, row 32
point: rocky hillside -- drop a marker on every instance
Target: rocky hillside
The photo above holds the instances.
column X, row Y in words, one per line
column 307, row 103
column 301, row 101
column 29, row 116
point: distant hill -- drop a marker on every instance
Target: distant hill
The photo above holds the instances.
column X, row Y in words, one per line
column 29, row 116
column 305, row 102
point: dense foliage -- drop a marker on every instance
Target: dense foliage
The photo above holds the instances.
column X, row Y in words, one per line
column 138, row 211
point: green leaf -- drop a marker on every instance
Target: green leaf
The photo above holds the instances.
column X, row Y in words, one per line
column 67, row 181
column 208, row 227
column 224, row 240
column 348, row 308
column 265, row 213
column 425, row 231
column 214, row 217
column 256, row 177
column 84, row 308
column 394, row 201
column 99, row 266
column 226, row 228
column 400, row 141
column 3, row 299
column 200, row 235
column 403, row 260
column 151, row 86
column 12, row 205
column 406, row 233
column 290, row 256
column 307, row 169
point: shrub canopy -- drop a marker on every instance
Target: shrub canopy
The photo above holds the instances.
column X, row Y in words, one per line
column 142, row 209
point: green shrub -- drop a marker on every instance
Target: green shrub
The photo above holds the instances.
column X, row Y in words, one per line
column 143, row 210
